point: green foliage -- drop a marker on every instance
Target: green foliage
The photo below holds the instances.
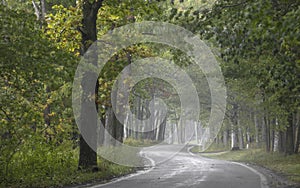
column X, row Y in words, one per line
column 257, row 41
column 258, row 44
column 36, row 164
column 19, row 5
column 37, row 68
column 31, row 150
column 62, row 28
column 65, row 3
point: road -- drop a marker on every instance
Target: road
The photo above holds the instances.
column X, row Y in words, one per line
column 188, row 170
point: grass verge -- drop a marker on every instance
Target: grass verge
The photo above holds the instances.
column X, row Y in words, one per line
column 46, row 166
column 65, row 176
column 213, row 148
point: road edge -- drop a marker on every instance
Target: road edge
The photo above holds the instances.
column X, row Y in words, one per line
column 273, row 178
column 264, row 182
column 101, row 183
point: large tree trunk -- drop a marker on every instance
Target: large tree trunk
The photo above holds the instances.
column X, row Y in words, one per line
column 111, row 133
column 87, row 153
column 119, row 129
column 101, row 129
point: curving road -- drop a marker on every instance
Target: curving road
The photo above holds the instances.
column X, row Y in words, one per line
column 187, row 170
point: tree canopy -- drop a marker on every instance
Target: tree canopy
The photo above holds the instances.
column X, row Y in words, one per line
column 256, row 43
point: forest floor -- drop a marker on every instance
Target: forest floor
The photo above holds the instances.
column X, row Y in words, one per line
column 284, row 171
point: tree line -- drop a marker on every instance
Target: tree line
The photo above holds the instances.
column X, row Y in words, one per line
column 255, row 42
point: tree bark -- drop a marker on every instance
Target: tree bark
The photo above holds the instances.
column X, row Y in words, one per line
column 146, row 134
column 182, row 132
column 234, row 134
column 87, row 153
column 138, row 116
column 263, row 131
column 289, row 150
column 297, row 146
column 101, row 133
column 281, row 142
column 119, row 129
column 268, row 134
column 297, row 132
column 256, row 128
column 196, row 132
column 43, row 9
column 225, row 137
column 234, row 139
column 162, row 128
column 109, row 139
column 240, row 133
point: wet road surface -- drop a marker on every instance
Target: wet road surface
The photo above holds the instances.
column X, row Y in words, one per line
column 187, row 170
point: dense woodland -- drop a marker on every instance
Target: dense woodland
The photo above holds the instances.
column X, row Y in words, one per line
column 256, row 42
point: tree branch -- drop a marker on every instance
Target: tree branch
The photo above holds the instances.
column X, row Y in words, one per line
column 36, row 10
column 97, row 4
column 6, row 114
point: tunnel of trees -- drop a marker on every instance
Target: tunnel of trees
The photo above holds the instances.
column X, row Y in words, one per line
column 257, row 44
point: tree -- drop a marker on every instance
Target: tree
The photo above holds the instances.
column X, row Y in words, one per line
column 252, row 37
column 87, row 153
column 30, row 63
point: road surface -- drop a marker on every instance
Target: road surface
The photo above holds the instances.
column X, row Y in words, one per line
column 187, row 170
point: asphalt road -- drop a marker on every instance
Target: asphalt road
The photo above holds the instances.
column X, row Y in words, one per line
column 187, row 170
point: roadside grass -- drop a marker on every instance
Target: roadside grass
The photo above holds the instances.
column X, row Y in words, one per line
column 46, row 166
column 140, row 143
column 289, row 166
column 107, row 171
column 212, row 148
column 57, row 174
column 43, row 165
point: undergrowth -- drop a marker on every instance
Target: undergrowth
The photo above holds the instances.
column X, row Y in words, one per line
column 42, row 165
